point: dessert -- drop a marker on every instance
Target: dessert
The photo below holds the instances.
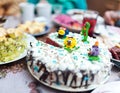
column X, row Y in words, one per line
column 76, row 63
column 68, row 22
column 115, row 51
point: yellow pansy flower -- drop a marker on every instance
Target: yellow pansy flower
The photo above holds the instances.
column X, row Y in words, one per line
column 70, row 42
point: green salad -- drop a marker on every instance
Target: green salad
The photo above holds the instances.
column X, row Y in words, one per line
column 11, row 48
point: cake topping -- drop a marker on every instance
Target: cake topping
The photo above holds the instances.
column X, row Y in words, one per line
column 70, row 43
column 94, row 52
column 84, row 31
column 62, row 32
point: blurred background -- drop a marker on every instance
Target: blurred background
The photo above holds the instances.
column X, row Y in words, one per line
column 8, row 7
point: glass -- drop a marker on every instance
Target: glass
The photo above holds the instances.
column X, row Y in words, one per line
column 91, row 17
column 57, row 8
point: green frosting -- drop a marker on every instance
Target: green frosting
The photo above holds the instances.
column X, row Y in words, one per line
column 94, row 58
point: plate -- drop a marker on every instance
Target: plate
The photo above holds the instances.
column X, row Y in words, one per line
column 47, row 30
column 28, row 39
column 116, row 62
column 47, row 27
column 65, row 88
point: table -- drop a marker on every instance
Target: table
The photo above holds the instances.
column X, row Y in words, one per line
column 16, row 77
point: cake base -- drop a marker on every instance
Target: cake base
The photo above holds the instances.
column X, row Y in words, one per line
column 66, row 88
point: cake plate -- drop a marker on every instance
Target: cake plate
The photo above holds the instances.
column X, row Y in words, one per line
column 65, row 88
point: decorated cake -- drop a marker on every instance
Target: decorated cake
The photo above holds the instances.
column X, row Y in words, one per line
column 70, row 59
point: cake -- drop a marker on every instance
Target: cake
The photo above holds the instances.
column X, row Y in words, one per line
column 76, row 66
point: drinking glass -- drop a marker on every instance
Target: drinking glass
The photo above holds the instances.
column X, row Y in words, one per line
column 91, row 17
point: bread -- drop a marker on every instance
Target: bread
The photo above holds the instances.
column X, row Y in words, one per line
column 9, row 7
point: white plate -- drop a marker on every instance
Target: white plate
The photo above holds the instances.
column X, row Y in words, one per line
column 65, row 88
column 28, row 39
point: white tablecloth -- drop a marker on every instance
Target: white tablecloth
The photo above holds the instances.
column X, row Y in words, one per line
column 18, row 83
column 112, row 87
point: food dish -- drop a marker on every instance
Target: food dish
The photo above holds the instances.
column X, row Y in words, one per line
column 67, row 22
column 47, row 30
column 28, row 39
column 76, row 65
column 115, row 51
column 34, row 28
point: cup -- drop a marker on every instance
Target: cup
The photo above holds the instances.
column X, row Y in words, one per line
column 27, row 11
column 44, row 10
column 91, row 17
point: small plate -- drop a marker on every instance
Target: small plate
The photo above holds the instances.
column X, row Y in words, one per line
column 28, row 39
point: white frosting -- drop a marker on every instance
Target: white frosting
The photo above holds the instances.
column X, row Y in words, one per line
column 60, row 59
